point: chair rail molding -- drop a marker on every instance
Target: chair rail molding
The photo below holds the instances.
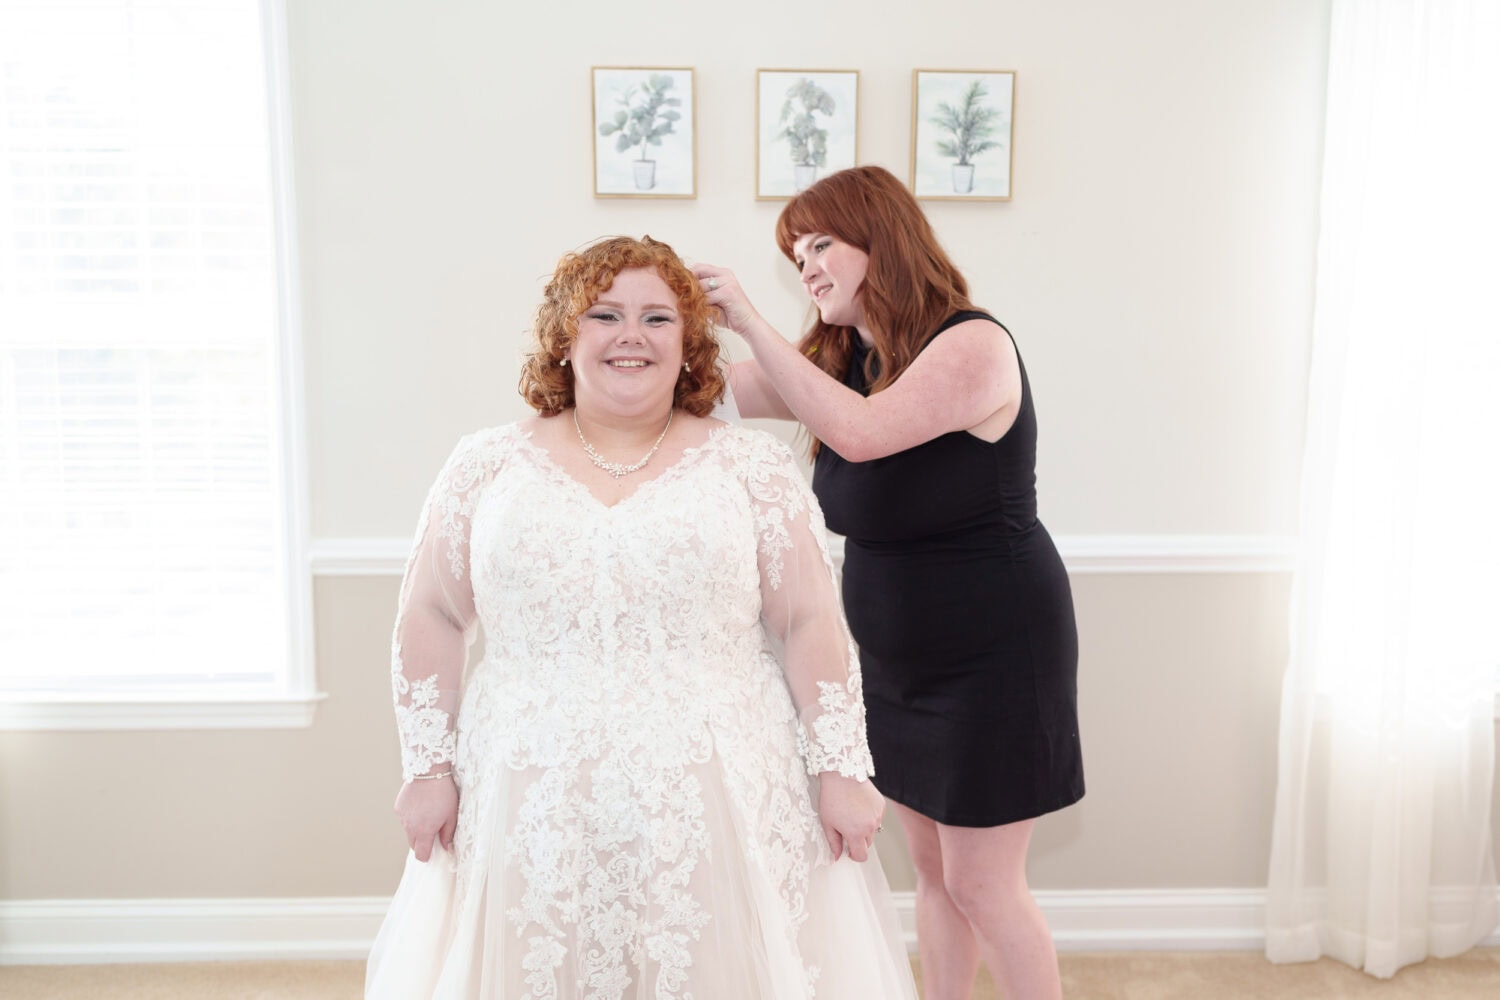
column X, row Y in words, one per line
column 385, row 556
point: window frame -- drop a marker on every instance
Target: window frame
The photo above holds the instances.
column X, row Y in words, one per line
column 293, row 706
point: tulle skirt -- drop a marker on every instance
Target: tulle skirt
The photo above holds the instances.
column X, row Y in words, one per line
column 575, row 901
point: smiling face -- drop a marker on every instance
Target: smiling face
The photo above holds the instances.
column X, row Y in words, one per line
column 628, row 352
column 832, row 272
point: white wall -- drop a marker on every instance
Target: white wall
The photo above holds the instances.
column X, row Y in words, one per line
column 1155, row 263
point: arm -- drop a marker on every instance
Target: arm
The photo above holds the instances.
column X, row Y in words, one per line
column 754, row 394
column 800, row 612
column 966, row 375
column 429, row 648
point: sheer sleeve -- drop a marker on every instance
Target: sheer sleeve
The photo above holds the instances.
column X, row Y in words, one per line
column 801, row 613
column 435, row 615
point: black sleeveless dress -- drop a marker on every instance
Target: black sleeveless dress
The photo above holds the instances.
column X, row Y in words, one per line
column 964, row 618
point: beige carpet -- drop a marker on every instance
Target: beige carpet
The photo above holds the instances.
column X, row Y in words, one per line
column 1128, row 976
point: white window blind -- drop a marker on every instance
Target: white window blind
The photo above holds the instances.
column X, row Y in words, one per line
column 149, row 535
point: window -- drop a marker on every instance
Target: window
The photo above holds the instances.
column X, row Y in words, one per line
column 152, row 567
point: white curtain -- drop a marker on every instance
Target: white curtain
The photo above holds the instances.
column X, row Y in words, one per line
column 1382, row 847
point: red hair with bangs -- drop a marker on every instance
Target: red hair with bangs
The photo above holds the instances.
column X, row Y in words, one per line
column 910, row 286
column 581, row 277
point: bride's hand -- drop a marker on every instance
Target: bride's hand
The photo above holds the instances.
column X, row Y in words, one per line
column 723, row 291
column 850, row 812
column 428, row 810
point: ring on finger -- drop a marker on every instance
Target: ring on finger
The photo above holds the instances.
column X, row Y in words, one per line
column 713, row 283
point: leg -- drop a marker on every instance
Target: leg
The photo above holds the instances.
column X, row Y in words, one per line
column 950, row 956
column 984, row 870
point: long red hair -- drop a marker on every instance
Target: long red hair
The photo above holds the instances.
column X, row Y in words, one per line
column 910, row 287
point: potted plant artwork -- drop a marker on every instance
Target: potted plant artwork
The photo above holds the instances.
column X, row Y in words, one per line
column 806, row 127
column 806, row 141
column 646, row 114
column 971, row 127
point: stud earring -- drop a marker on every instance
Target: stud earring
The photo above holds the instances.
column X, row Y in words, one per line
column 563, row 362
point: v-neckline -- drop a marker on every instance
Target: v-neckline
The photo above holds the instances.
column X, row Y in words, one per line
column 688, row 457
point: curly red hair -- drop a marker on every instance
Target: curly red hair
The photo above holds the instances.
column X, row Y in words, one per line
column 581, row 277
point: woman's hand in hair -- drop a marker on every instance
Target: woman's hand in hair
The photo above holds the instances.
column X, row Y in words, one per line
column 724, row 292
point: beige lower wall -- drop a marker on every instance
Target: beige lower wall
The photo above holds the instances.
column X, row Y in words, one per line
column 1179, row 684
column 1179, row 681
column 302, row 812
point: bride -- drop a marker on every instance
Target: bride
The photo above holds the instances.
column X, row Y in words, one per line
column 646, row 786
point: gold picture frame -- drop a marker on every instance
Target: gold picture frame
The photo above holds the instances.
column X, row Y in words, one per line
column 806, row 127
column 650, row 110
column 962, row 134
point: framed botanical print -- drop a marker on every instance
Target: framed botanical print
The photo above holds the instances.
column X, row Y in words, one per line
column 806, row 127
column 645, row 143
column 962, row 131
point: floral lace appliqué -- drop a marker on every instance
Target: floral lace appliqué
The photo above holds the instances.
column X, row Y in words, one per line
column 427, row 737
column 629, row 739
column 837, row 741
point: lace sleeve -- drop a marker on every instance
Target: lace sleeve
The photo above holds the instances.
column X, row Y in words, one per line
column 435, row 613
column 801, row 612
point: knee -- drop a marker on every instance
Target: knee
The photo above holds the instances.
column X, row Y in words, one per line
column 926, row 853
column 927, row 859
column 978, row 898
column 969, row 897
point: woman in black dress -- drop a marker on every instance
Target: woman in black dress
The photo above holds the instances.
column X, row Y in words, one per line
column 925, row 444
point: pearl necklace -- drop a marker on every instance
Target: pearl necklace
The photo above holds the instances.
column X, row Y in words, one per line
column 618, row 469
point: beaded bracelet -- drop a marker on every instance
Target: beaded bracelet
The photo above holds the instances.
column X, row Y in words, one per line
column 431, row 777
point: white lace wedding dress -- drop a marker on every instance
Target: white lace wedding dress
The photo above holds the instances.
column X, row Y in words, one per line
column 659, row 681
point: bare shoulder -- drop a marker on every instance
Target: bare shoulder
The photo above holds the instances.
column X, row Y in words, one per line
column 974, row 341
column 973, row 353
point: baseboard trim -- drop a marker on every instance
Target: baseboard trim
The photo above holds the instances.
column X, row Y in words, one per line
column 1081, row 553
column 92, row 931
column 1139, row 919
